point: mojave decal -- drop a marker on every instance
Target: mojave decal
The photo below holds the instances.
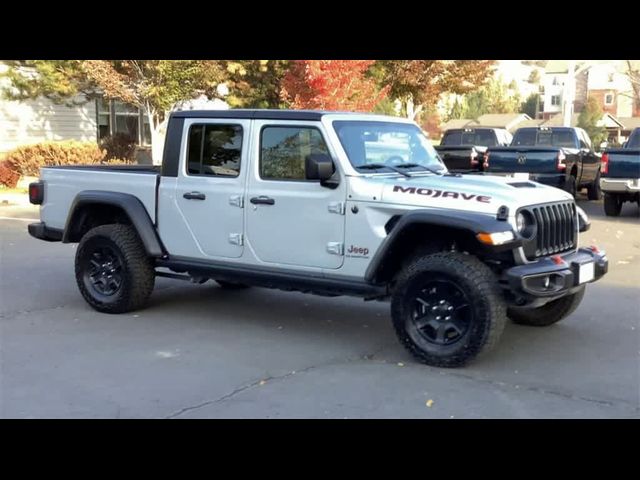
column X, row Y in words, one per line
column 433, row 193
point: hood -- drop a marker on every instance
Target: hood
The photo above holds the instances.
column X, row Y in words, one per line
column 478, row 193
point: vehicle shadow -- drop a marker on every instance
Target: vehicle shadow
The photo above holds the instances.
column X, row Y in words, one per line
column 595, row 209
column 355, row 326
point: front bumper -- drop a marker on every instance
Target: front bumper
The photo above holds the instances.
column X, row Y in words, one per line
column 549, row 279
column 620, row 185
column 42, row 232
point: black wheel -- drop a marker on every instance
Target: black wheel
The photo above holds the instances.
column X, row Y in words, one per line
column 113, row 272
column 447, row 308
column 612, row 205
column 549, row 313
column 593, row 191
column 571, row 186
column 231, row 285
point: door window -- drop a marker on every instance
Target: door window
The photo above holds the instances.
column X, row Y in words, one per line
column 214, row 150
column 283, row 151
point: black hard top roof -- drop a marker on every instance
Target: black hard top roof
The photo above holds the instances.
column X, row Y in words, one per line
column 257, row 113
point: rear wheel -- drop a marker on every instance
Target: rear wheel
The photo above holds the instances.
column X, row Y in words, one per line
column 612, row 205
column 113, row 272
column 571, row 186
column 593, row 191
column 549, row 313
column 447, row 308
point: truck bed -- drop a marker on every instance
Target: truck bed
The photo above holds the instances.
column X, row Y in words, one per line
column 148, row 169
column 63, row 183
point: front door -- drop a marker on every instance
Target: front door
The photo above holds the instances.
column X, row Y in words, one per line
column 210, row 189
column 292, row 221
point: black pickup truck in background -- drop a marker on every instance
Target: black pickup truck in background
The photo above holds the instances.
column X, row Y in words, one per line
column 462, row 149
column 621, row 175
column 561, row 157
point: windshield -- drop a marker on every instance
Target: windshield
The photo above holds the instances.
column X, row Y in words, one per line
column 556, row 138
column 387, row 145
column 482, row 138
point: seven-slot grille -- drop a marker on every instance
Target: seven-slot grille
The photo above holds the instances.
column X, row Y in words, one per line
column 556, row 229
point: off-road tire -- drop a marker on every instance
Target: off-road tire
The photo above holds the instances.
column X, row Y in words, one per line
column 549, row 313
column 137, row 270
column 593, row 191
column 231, row 285
column 612, row 205
column 571, row 186
column 486, row 315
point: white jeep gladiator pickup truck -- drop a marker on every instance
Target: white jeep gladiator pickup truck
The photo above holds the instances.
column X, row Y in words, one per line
column 322, row 202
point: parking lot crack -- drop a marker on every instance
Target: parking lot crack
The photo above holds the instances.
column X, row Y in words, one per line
column 262, row 381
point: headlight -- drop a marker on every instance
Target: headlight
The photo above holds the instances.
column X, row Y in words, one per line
column 521, row 222
column 525, row 224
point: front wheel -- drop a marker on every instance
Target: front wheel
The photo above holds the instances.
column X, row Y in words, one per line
column 612, row 205
column 549, row 313
column 113, row 272
column 447, row 308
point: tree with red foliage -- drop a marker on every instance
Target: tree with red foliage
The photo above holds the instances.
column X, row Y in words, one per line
column 331, row 85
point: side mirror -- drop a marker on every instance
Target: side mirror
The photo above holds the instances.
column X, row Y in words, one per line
column 319, row 167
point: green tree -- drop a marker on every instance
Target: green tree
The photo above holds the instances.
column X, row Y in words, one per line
column 534, row 77
column 531, row 105
column 494, row 97
column 589, row 118
column 419, row 83
column 255, row 83
column 154, row 86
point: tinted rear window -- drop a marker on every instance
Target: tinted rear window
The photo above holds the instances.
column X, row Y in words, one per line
column 634, row 140
column 555, row 138
column 482, row 138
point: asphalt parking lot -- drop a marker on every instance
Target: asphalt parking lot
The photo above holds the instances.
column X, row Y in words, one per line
column 202, row 352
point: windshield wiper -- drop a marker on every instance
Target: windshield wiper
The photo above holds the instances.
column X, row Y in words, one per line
column 375, row 166
column 413, row 165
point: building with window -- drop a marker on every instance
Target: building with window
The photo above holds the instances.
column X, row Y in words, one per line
column 603, row 80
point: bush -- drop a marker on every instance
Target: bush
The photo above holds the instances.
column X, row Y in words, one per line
column 119, row 145
column 8, row 177
column 28, row 159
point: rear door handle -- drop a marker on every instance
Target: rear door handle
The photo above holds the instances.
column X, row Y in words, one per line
column 262, row 200
column 194, row 196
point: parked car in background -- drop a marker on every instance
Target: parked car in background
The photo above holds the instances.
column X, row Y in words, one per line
column 462, row 149
column 562, row 157
column 621, row 175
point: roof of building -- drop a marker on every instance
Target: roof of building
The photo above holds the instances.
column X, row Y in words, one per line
column 630, row 122
column 459, row 123
column 502, row 120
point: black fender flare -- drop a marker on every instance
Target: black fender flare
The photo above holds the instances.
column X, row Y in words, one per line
column 130, row 204
column 470, row 222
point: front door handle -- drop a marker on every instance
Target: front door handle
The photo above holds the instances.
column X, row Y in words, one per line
column 194, row 196
column 262, row 200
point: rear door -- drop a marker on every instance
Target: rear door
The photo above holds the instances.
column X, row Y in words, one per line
column 202, row 214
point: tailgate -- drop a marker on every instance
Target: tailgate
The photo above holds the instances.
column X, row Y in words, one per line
column 61, row 185
column 534, row 160
column 457, row 157
column 623, row 163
